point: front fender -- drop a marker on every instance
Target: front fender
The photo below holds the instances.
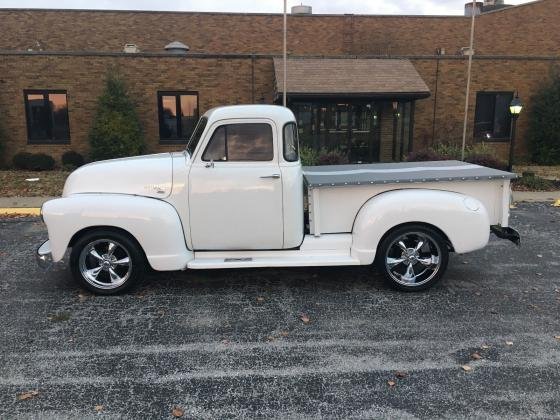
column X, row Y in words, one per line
column 154, row 223
column 463, row 219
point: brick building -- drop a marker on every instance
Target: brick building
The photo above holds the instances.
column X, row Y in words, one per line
column 374, row 86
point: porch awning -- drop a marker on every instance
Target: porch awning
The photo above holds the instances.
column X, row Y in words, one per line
column 349, row 77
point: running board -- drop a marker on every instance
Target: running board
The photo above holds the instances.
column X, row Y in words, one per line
column 202, row 262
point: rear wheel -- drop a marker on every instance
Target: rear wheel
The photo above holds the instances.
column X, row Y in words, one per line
column 413, row 257
column 107, row 262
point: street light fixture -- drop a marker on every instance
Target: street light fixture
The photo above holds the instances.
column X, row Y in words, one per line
column 515, row 108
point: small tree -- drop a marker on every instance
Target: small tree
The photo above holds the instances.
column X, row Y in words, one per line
column 116, row 130
column 544, row 126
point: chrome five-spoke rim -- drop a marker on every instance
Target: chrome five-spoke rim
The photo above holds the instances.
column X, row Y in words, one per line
column 413, row 259
column 105, row 264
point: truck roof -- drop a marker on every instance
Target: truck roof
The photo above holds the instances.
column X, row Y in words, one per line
column 278, row 114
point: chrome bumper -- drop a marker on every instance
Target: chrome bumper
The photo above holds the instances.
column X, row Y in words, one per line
column 44, row 256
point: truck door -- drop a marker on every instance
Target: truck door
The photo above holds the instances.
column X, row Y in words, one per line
column 235, row 188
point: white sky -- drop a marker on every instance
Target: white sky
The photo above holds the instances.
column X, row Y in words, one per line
column 421, row 7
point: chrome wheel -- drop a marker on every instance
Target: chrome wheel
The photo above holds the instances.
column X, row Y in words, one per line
column 105, row 264
column 413, row 259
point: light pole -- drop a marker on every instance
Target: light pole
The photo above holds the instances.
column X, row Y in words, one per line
column 285, row 53
column 515, row 108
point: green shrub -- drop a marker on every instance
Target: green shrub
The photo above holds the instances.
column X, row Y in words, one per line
column 116, row 130
column 33, row 161
column 534, row 183
column 544, row 124
column 72, row 160
column 308, row 156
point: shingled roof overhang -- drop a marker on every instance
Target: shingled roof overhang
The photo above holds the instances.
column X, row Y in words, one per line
column 350, row 77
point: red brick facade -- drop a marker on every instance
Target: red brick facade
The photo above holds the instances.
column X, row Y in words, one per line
column 230, row 61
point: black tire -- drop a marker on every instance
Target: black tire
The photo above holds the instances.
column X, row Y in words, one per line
column 410, row 269
column 92, row 253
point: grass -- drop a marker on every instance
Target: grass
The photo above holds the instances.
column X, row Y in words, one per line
column 13, row 183
column 535, row 183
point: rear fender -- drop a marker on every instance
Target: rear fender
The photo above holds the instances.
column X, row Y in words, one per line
column 463, row 219
column 155, row 224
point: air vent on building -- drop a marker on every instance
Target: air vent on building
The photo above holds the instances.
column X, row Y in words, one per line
column 302, row 10
column 131, row 49
column 176, row 47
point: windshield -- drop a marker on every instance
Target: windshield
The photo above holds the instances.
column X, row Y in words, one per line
column 197, row 134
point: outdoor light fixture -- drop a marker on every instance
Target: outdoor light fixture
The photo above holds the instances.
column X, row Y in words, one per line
column 515, row 108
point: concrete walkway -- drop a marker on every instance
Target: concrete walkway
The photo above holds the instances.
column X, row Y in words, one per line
column 13, row 203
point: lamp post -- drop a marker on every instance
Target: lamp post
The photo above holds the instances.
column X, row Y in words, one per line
column 515, row 108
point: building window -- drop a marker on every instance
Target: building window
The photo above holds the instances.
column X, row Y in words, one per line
column 492, row 121
column 178, row 115
column 47, row 116
column 240, row 142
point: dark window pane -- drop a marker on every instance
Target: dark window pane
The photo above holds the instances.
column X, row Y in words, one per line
column 290, row 142
column 492, row 116
column 168, row 117
column 252, row 142
column 47, row 117
column 216, row 149
column 59, row 113
column 189, row 114
column 502, row 118
column 37, row 117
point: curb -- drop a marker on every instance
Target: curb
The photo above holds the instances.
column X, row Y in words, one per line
column 24, row 211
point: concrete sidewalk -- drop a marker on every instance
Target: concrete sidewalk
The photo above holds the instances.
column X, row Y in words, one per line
column 37, row 202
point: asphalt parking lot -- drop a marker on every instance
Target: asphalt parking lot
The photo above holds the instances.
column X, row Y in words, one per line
column 230, row 344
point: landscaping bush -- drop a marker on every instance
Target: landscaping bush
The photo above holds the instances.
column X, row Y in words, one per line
column 332, row 157
column 478, row 154
column 530, row 182
column 116, row 130
column 33, row 161
column 544, row 124
column 308, row 156
column 72, row 159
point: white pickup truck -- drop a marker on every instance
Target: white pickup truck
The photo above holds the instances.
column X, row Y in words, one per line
column 236, row 198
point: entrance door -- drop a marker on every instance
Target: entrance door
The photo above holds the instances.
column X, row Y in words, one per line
column 235, row 189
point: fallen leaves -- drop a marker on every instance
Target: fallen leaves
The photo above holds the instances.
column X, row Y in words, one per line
column 557, row 337
column 305, row 318
column 509, row 343
column 556, row 203
column 27, row 395
column 467, row 368
column 476, row 356
column 391, row 383
column 177, row 412
column 98, row 408
column 401, row 375
column 485, row 347
column 260, row 299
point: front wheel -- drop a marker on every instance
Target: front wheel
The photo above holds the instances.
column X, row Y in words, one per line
column 413, row 257
column 107, row 262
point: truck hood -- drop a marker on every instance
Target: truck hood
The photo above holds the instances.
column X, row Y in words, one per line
column 149, row 176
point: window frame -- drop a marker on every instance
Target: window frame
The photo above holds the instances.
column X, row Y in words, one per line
column 45, row 93
column 224, row 124
column 177, row 94
column 296, row 132
column 492, row 93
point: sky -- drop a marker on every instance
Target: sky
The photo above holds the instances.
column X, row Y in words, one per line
column 420, row 7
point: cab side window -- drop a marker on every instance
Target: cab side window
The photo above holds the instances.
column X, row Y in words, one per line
column 240, row 142
column 291, row 149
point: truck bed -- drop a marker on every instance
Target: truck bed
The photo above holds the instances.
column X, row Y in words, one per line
column 395, row 173
column 336, row 193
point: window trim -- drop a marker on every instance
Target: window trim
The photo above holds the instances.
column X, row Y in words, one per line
column 284, row 141
column 45, row 93
column 479, row 139
column 218, row 126
column 177, row 94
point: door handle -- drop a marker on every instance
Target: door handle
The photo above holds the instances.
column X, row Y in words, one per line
column 273, row 176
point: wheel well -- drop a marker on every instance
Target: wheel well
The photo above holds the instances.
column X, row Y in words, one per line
column 89, row 229
column 427, row 225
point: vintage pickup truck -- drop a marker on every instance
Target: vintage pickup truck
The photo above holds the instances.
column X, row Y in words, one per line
column 235, row 197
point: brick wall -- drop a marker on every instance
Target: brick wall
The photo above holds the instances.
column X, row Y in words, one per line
column 515, row 50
